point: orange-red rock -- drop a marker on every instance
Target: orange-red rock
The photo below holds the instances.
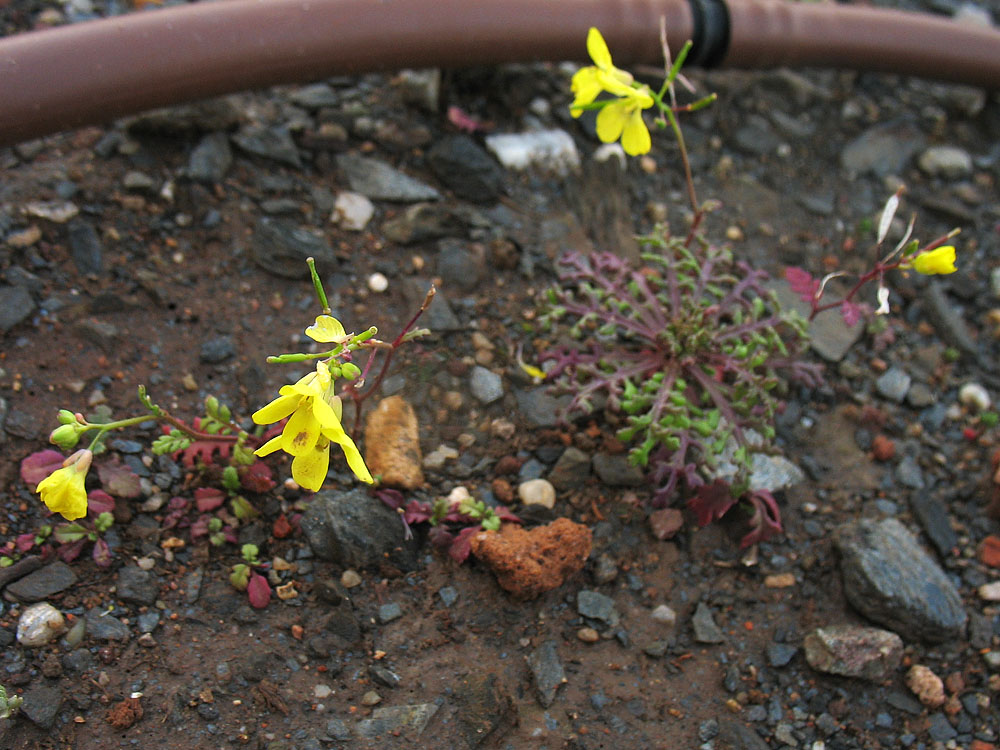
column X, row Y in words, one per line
column 883, row 448
column 392, row 444
column 529, row 562
column 989, row 551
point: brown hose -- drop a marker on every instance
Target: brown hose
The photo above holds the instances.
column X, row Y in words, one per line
column 96, row 71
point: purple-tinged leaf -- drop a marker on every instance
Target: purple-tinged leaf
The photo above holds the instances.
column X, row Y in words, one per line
column 99, row 501
column 69, row 552
column 67, row 533
column 178, row 503
column 200, row 526
column 850, row 312
column 258, row 591
column 208, row 498
column 461, row 545
column 102, row 554
column 439, row 536
column 802, row 283
column 504, row 514
column 711, row 501
column 417, row 512
column 24, row 542
column 393, row 498
column 37, row 466
column 119, row 480
column 766, row 519
column 257, row 477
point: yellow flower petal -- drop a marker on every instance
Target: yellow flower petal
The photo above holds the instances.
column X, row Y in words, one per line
column 611, row 121
column 635, row 136
column 597, row 48
column 270, row 446
column 586, row 85
column 301, row 431
column 324, row 414
column 326, row 329
column 938, row 261
column 309, row 469
column 277, row 410
column 63, row 491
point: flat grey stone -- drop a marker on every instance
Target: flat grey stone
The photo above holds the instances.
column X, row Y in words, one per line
column 388, row 719
column 43, row 583
column 891, row 580
column 547, row 671
column 281, row 246
column 379, row 181
column 539, row 408
column 16, row 305
column 274, row 142
column 42, row 704
column 485, row 385
column 893, row 384
column 616, row 471
column 572, row 469
column 883, row 149
column 85, row 247
column 105, row 627
column 137, row 586
column 854, row 651
column 211, row 159
column 705, row 629
column 597, row 606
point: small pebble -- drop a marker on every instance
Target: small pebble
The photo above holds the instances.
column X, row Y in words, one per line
column 371, row 698
column 537, row 492
column 378, row 283
column 39, row 625
column 664, row 615
column 322, row 691
column 780, row 581
column 926, row 685
column 974, row 395
column 350, row 578
column 588, row 635
column 990, row 592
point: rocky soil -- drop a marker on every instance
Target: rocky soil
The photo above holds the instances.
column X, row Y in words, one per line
column 168, row 250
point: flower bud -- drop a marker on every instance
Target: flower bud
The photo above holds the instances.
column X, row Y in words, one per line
column 66, row 436
column 349, row 370
column 67, row 417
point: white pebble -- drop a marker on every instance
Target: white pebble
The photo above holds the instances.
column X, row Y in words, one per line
column 457, row 496
column 378, row 283
column 973, row 394
column 352, row 211
column 537, row 492
column 39, row 625
column 988, row 592
column 322, row 691
column 664, row 615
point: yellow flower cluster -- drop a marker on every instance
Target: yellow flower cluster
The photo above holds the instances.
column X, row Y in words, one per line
column 314, row 413
column 63, row 490
column 621, row 118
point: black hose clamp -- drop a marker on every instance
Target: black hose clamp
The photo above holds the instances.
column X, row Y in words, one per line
column 710, row 33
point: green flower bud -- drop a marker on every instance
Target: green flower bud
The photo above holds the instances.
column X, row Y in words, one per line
column 349, row 370
column 67, row 417
column 65, row 436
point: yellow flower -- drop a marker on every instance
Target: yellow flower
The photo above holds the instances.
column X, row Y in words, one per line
column 63, row 490
column 326, row 329
column 314, row 422
column 940, row 260
column 618, row 119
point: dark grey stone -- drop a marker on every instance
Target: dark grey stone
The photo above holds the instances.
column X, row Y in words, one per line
column 16, row 305
column 933, row 517
column 41, row 705
column 571, row 471
column 384, row 676
column 539, row 408
column 597, row 607
column 355, row 530
column 281, row 247
column 211, row 159
column 377, row 180
column 939, row 728
column 431, row 221
column 85, row 247
column 465, row 167
column 547, row 671
column 137, row 586
column 883, row 149
column 705, row 629
column 448, row 594
column 485, row 385
column 105, row 627
column 736, row 736
column 890, row 579
column 338, row 730
column 273, row 143
column 43, row 583
column 616, row 471
column 486, row 710
column 460, row 265
column 389, row 612
column 217, row 350
column 780, row 654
